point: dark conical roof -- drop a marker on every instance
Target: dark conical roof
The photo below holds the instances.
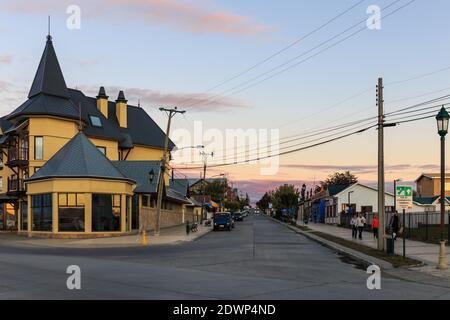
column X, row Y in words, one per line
column 49, row 78
column 102, row 93
column 121, row 97
column 79, row 158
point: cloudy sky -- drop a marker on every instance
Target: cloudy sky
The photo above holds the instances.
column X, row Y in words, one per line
column 251, row 65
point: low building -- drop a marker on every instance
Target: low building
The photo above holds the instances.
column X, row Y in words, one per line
column 364, row 199
column 429, row 185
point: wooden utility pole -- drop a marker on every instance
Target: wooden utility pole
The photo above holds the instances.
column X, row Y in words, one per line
column 205, row 160
column 381, row 196
column 170, row 113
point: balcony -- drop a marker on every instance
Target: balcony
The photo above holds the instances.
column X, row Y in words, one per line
column 17, row 156
column 15, row 186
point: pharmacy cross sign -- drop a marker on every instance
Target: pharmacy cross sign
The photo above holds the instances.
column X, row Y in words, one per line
column 403, row 197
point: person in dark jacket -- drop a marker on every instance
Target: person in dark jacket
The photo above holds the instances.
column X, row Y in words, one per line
column 395, row 225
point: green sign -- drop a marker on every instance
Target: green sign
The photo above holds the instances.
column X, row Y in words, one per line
column 404, row 197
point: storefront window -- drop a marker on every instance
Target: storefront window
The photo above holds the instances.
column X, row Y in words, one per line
column 71, row 212
column 24, row 213
column 41, row 212
column 106, row 212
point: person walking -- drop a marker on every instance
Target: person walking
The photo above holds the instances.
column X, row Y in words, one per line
column 354, row 227
column 375, row 225
column 360, row 222
column 395, row 225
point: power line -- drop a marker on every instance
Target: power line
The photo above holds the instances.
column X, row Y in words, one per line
column 397, row 121
column 232, row 90
column 292, row 44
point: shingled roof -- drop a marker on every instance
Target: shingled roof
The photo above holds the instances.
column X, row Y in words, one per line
column 49, row 78
column 79, row 158
column 50, row 96
column 139, row 172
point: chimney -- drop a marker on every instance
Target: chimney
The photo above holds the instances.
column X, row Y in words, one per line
column 102, row 102
column 121, row 110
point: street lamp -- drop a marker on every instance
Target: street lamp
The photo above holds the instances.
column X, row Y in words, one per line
column 442, row 124
column 151, row 175
column 395, row 193
column 349, row 202
column 175, row 149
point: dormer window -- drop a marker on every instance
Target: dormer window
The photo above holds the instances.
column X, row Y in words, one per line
column 95, row 121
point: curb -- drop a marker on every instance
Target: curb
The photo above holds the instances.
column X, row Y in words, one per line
column 200, row 236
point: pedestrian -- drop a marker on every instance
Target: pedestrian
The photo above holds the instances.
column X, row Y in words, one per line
column 394, row 224
column 354, row 227
column 375, row 225
column 360, row 222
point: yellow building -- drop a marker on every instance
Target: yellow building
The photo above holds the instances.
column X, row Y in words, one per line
column 53, row 121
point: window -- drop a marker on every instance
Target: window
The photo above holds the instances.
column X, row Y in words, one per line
column 41, row 212
column 106, row 212
column 71, row 212
column 38, row 148
column 24, row 213
column 145, row 200
column 102, row 150
column 95, row 121
column 1, row 184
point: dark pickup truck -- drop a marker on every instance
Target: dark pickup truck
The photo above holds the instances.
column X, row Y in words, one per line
column 223, row 221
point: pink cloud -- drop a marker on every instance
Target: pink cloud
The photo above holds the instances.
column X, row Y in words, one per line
column 6, row 58
column 189, row 101
column 177, row 14
column 192, row 17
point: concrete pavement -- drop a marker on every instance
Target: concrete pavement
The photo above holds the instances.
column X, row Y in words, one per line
column 425, row 252
column 259, row 259
column 167, row 236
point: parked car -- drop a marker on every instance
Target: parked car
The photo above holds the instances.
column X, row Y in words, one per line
column 223, row 221
column 238, row 216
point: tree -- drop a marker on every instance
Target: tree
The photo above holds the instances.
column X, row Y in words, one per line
column 216, row 189
column 285, row 197
column 263, row 203
column 340, row 178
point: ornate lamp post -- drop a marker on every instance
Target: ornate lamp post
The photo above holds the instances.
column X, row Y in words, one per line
column 442, row 123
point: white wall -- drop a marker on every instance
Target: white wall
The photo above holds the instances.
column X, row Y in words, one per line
column 364, row 196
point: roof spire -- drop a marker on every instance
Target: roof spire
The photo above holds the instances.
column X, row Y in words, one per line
column 49, row 36
column 49, row 78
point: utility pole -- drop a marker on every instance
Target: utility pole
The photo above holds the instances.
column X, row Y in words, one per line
column 170, row 113
column 381, row 198
column 205, row 160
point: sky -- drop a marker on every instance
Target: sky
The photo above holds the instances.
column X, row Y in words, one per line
column 196, row 55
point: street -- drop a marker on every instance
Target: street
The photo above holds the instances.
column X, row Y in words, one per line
column 259, row 259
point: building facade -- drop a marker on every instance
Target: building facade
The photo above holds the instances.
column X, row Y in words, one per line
column 74, row 165
column 429, row 185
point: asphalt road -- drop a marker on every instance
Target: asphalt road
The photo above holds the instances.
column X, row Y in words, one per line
column 259, row 259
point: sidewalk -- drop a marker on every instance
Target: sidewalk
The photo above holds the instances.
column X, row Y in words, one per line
column 426, row 252
column 167, row 236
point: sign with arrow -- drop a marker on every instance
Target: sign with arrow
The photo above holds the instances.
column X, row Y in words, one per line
column 403, row 197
